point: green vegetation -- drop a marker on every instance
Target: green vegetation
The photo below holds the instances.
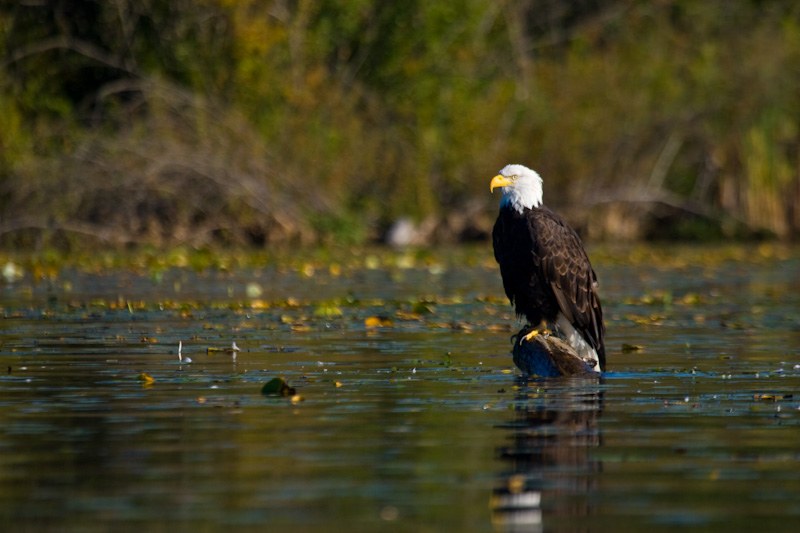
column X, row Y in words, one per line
column 237, row 122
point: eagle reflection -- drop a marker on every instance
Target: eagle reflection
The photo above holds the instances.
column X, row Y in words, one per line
column 551, row 471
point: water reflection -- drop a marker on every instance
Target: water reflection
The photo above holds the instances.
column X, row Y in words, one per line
column 551, row 473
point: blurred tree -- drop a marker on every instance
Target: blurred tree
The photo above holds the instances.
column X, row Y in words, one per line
column 250, row 121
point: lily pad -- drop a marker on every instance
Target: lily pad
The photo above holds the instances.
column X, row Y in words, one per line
column 630, row 347
column 327, row 310
column 278, row 387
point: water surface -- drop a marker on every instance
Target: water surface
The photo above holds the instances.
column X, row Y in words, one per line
column 420, row 423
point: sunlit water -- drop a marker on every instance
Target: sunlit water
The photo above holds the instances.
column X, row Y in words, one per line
column 421, row 424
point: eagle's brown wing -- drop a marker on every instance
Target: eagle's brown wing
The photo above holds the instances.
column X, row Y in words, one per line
column 558, row 252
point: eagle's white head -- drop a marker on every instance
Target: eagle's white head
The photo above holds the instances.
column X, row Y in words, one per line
column 522, row 187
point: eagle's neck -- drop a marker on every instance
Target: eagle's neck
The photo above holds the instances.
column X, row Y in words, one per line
column 523, row 195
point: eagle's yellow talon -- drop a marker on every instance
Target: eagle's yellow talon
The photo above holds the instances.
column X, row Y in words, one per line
column 529, row 336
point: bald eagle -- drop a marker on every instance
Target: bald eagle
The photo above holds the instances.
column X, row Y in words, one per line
column 546, row 273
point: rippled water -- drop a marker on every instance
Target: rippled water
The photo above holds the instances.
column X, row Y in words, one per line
column 421, row 424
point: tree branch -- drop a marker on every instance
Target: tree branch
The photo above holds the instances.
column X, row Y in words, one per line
column 65, row 42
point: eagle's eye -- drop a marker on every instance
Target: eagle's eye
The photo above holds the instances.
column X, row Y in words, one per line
column 514, row 177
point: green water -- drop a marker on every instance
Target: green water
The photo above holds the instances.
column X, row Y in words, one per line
column 421, row 424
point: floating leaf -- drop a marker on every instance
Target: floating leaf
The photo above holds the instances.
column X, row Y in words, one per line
column 630, row 348
column 772, row 397
column 259, row 304
column 146, row 378
column 422, row 308
column 403, row 315
column 691, row 299
column 377, row 321
column 277, row 387
column 327, row 310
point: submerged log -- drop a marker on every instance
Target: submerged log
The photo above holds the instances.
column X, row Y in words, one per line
column 548, row 356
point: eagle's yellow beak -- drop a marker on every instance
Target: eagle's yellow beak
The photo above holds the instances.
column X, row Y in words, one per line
column 499, row 181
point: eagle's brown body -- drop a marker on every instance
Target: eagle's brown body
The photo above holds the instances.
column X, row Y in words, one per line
column 546, row 271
